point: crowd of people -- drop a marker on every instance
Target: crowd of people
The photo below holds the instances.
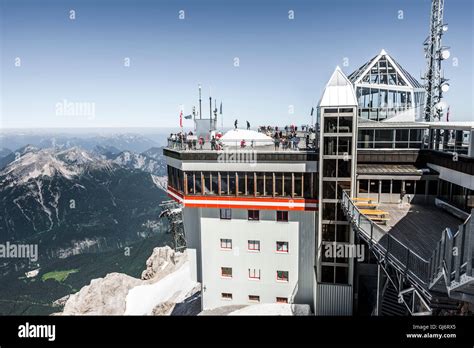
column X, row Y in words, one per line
column 189, row 141
column 286, row 138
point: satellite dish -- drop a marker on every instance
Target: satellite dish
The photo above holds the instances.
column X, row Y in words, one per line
column 445, row 54
column 445, row 27
column 441, row 105
column 445, row 87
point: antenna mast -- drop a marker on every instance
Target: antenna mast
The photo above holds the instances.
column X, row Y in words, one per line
column 435, row 83
column 200, row 107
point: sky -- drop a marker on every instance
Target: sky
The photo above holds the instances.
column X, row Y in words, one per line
column 136, row 63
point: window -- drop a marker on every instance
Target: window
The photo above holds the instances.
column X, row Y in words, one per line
column 329, row 232
column 226, row 243
column 345, row 125
column 329, row 211
column 363, row 186
column 269, row 184
column 344, row 168
column 226, row 296
column 282, row 216
column 254, row 215
column 254, row 273
column 385, row 187
column 254, row 245
column 330, row 145
column 329, row 189
column 329, row 168
column 410, row 187
column 282, row 276
column 254, row 298
column 330, row 124
column 282, row 247
column 226, row 214
column 396, row 186
column 226, row 272
column 282, row 299
column 224, row 183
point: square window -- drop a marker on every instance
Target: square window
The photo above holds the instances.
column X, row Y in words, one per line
column 282, row 276
column 254, row 298
column 226, row 243
column 226, row 214
column 226, row 272
column 282, row 216
column 282, row 247
column 254, row 245
column 254, row 273
column 327, row 274
column 282, row 299
column 254, row 215
column 226, row 296
column 342, row 275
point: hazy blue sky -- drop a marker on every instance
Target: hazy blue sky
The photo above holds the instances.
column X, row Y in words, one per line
column 283, row 62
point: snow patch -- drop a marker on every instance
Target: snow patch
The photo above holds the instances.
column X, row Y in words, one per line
column 175, row 287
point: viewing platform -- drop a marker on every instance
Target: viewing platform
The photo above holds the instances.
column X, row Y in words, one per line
column 428, row 247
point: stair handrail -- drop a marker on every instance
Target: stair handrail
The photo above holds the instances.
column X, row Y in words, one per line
column 415, row 265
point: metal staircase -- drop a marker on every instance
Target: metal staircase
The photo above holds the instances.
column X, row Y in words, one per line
column 422, row 285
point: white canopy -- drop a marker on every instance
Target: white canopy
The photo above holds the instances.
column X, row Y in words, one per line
column 235, row 136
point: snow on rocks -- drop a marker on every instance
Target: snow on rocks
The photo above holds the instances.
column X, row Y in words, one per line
column 165, row 282
column 174, row 288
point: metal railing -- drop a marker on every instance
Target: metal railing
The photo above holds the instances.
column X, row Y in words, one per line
column 453, row 256
column 387, row 246
column 238, row 145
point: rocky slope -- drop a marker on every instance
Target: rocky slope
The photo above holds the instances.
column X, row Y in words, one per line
column 118, row 294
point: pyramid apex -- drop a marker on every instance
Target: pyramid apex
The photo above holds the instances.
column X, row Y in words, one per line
column 383, row 52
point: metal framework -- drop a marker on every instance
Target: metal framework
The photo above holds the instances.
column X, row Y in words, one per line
column 173, row 212
column 416, row 280
column 434, row 54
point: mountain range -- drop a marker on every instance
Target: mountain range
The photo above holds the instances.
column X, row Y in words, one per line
column 66, row 200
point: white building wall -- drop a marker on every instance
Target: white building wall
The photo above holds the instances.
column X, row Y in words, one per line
column 298, row 261
column 191, row 218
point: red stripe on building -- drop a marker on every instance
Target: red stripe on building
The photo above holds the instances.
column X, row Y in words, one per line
column 300, row 204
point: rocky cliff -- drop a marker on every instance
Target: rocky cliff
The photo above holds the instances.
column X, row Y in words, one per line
column 165, row 282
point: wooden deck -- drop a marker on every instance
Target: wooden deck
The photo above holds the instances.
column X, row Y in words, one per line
column 417, row 226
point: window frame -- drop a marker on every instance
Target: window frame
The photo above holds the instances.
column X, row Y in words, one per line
column 226, row 296
column 226, row 243
column 253, row 275
column 223, row 214
column 255, row 242
column 226, row 276
column 284, row 243
column 282, row 279
column 282, row 216
column 257, row 300
column 253, row 215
